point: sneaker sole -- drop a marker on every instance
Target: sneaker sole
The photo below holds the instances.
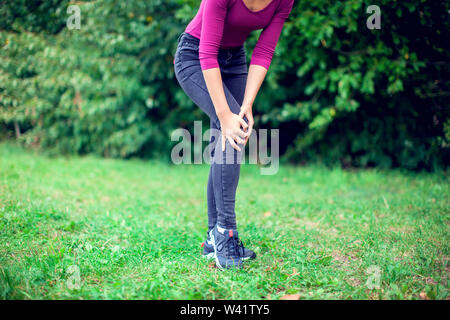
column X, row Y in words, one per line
column 209, row 256
column 252, row 257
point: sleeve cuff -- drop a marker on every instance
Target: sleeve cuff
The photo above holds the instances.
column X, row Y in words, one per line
column 260, row 62
column 206, row 64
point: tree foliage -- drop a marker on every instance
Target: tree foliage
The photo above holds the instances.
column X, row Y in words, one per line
column 339, row 92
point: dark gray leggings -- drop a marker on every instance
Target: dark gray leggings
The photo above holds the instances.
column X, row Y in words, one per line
column 224, row 174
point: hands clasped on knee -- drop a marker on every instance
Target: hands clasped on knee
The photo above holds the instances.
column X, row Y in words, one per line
column 230, row 124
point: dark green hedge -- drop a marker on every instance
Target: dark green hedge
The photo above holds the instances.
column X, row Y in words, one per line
column 339, row 92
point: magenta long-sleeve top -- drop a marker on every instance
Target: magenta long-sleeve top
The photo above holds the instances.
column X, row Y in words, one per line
column 228, row 23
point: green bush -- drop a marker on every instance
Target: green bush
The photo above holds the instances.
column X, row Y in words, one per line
column 362, row 97
column 107, row 88
column 339, row 92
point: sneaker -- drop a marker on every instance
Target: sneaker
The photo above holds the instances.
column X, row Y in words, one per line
column 208, row 250
column 226, row 247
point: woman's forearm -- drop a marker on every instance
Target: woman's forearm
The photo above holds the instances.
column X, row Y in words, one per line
column 213, row 80
column 255, row 78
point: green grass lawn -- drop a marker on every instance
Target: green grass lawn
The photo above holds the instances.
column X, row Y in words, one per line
column 90, row 228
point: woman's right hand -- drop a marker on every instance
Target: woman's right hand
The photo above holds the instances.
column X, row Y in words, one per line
column 230, row 124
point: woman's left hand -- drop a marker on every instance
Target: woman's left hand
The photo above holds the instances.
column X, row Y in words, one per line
column 246, row 110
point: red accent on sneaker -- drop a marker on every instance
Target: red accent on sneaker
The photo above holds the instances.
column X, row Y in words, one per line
column 202, row 245
column 230, row 233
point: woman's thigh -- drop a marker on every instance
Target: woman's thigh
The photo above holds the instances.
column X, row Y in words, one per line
column 236, row 85
column 234, row 71
column 190, row 77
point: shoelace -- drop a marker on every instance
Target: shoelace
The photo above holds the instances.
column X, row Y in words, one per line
column 241, row 248
column 233, row 245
